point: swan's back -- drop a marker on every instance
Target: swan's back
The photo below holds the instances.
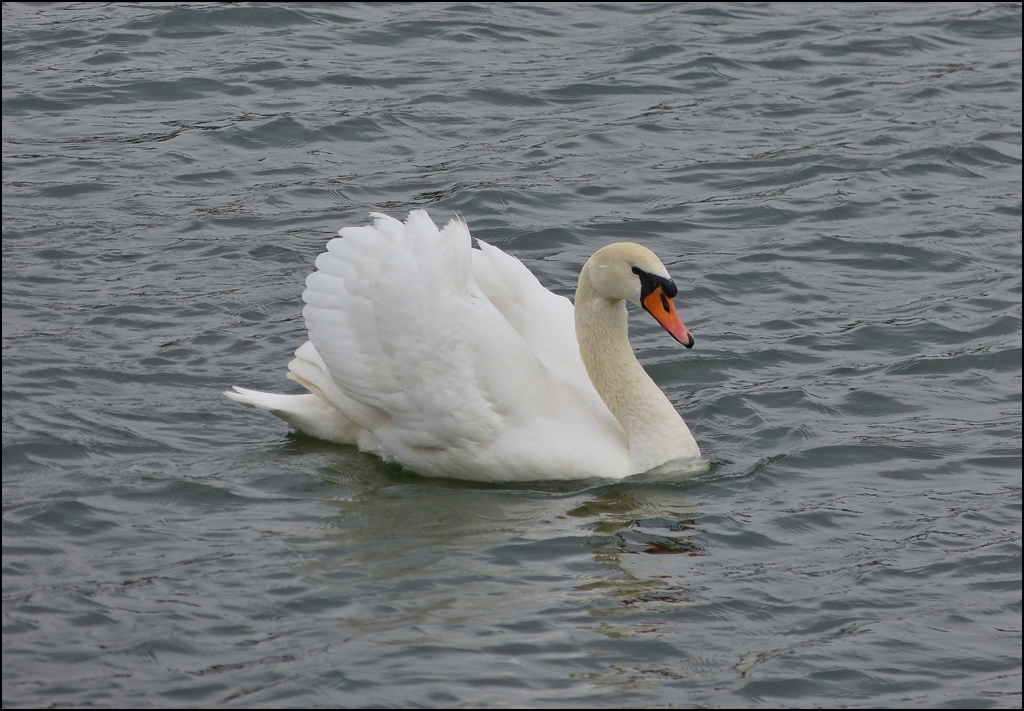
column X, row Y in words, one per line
column 461, row 362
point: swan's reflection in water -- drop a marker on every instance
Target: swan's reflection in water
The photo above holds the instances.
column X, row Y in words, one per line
column 416, row 556
column 630, row 525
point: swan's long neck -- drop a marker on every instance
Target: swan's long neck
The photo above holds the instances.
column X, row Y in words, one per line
column 655, row 430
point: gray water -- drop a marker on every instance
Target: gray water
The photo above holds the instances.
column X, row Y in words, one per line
column 837, row 191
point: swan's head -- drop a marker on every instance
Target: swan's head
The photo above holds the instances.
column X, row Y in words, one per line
column 633, row 273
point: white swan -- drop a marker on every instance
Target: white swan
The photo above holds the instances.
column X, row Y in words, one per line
column 456, row 362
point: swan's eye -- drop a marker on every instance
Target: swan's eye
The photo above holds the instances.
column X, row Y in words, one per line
column 649, row 282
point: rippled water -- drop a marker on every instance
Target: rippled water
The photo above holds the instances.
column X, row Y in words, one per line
column 838, row 194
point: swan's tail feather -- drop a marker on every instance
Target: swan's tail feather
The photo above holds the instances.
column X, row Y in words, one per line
column 306, row 413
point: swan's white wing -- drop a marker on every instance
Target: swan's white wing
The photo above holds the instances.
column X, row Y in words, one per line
column 543, row 319
column 402, row 327
column 388, row 311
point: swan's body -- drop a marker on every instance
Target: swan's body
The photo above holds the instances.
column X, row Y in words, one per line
column 456, row 362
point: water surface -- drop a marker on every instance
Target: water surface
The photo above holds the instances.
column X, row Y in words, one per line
column 837, row 191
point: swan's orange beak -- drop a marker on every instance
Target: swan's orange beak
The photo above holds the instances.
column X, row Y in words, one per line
column 658, row 305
